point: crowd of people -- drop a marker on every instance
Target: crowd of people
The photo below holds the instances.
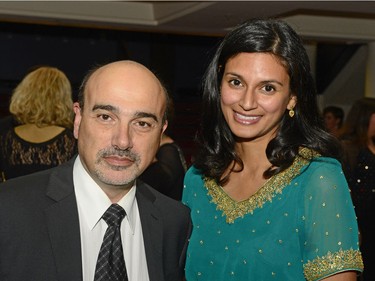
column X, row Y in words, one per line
column 97, row 189
column 357, row 136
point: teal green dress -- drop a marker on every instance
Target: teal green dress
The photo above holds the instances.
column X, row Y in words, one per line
column 300, row 225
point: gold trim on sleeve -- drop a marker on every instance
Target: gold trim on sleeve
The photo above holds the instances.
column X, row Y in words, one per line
column 333, row 263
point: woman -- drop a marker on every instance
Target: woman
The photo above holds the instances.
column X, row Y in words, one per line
column 43, row 107
column 359, row 142
column 268, row 199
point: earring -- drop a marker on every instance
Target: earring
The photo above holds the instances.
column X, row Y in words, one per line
column 291, row 112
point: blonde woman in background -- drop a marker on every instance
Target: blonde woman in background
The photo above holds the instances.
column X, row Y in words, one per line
column 42, row 105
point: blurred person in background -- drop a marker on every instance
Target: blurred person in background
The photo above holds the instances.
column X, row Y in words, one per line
column 42, row 137
column 166, row 173
column 333, row 118
column 358, row 139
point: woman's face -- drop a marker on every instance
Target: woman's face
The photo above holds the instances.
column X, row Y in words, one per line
column 254, row 95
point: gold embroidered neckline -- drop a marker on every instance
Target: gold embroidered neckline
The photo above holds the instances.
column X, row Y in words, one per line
column 233, row 209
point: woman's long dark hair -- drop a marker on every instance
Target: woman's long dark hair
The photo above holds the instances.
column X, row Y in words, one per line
column 215, row 140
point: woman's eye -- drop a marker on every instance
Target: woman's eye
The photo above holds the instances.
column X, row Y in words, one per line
column 235, row 82
column 269, row 88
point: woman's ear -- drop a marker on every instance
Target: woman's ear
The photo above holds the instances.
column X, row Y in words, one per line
column 292, row 102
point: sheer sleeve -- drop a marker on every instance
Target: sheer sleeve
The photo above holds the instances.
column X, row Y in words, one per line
column 331, row 231
column 167, row 173
column 171, row 155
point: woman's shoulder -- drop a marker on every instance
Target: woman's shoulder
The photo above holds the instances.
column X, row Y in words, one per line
column 325, row 162
column 193, row 172
column 67, row 132
column 193, row 177
column 315, row 159
column 312, row 165
column 193, row 184
column 323, row 172
column 34, row 135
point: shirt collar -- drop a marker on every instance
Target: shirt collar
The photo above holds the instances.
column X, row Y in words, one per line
column 92, row 200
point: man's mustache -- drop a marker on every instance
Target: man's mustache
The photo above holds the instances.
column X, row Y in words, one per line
column 119, row 152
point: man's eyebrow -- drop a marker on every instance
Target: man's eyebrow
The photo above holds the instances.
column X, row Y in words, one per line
column 106, row 107
column 138, row 114
column 142, row 114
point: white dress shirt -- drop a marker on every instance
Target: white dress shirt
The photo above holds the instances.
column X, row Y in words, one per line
column 92, row 204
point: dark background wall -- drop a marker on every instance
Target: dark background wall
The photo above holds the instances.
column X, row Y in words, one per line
column 178, row 60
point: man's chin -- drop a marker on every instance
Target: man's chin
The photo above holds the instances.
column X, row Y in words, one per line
column 117, row 168
column 116, row 178
column 118, row 183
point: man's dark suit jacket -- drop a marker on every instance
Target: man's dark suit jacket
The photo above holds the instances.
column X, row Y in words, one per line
column 40, row 234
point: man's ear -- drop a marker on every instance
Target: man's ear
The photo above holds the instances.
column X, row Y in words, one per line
column 164, row 127
column 77, row 118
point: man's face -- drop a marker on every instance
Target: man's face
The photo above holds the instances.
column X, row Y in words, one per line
column 330, row 121
column 120, row 126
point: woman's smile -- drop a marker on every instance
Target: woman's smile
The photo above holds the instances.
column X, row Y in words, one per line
column 246, row 119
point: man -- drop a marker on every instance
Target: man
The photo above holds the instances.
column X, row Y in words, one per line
column 52, row 224
column 333, row 117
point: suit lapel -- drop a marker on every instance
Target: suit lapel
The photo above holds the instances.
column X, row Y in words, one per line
column 152, row 229
column 63, row 224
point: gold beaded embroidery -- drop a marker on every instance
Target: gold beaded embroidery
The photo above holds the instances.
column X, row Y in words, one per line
column 333, row 263
column 233, row 209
